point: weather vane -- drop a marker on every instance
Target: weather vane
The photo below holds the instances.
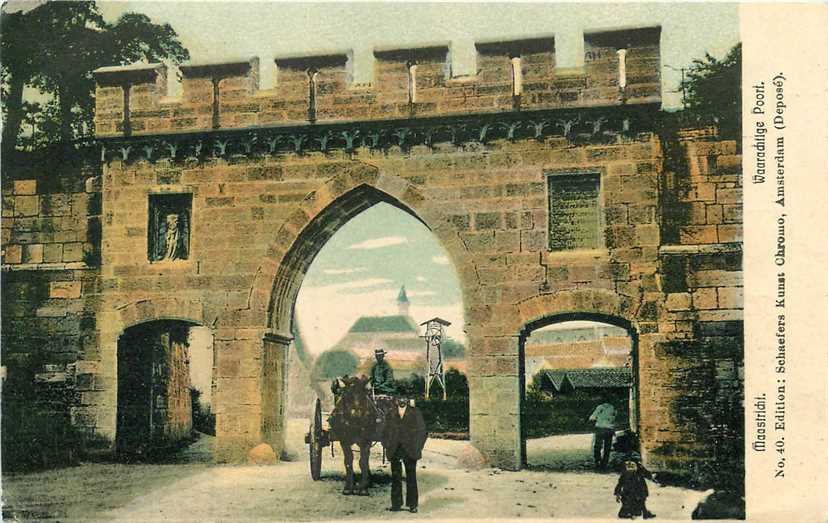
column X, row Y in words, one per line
column 434, row 355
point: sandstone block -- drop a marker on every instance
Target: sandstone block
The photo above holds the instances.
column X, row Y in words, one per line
column 507, row 241
column 25, row 187
column 262, row 454
column 730, row 233
column 33, row 253
column 730, row 196
column 470, row 458
column 714, row 214
column 26, row 205
column 716, row 278
column 13, row 254
column 702, row 192
column 72, row 252
column 65, row 289
column 678, row 301
column 731, row 297
column 532, row 241
column 698, row 234
column 705, row 299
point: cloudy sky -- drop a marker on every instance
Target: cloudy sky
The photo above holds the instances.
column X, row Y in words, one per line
column 218, row 31
column 360, row 270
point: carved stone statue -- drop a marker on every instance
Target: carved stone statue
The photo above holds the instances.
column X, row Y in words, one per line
column 171, row 237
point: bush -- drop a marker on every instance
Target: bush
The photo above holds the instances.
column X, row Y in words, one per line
column 451, row 415
column 204, row 420
column 566, row 414
column 333, row 364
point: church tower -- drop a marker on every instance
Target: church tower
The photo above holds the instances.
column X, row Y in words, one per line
column 402, row 302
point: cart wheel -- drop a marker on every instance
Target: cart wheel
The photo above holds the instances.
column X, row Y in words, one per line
column 315, row 443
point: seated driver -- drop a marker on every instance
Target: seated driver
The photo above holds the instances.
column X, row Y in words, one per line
column 382, row 376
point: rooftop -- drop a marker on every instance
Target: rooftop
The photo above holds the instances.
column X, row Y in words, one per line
column 383, row 324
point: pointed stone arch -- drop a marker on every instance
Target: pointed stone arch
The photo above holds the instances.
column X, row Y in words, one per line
column 319, row 217
column 353, row 189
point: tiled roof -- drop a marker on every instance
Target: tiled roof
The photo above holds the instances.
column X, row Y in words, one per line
column 384, row 324
column 562, row 379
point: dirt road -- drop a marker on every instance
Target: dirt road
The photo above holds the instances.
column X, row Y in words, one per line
column 285, row 492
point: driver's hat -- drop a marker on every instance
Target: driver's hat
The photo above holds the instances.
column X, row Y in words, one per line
column 380, row 351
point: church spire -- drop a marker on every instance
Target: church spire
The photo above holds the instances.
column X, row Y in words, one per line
column 402, row 302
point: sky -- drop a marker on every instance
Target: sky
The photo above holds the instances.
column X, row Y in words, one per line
column 360, row 270
column 221, row 31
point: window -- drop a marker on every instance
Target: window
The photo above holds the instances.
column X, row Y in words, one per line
column 169, row 227
column 575, row 220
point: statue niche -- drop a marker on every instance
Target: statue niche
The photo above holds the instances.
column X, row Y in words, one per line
column 169, row 227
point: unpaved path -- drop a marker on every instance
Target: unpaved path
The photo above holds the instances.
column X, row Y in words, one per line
column 285, row 492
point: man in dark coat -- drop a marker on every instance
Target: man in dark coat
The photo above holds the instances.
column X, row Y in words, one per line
column 404, row 439
column 382, row 375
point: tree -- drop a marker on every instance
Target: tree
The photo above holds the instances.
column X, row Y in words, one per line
column 56, row 46
column 713, row 91
column 333, row 364
column 453, row 349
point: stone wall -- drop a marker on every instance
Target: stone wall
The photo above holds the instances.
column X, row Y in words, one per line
column 318, row 88
column 701, row 274
column 50, row 246
column 264, row 200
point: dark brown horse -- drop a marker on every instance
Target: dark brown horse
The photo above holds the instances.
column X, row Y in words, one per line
column 354, row 422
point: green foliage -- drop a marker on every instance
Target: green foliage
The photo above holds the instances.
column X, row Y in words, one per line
column 204, row 420
column 333, row 364
column 411, row 387
column 545, row 415
column 54, row 48
column 452, row 349
column 713, row 92
column 451, row 415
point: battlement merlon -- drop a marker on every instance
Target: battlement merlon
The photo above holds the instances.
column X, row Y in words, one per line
column 621, row 67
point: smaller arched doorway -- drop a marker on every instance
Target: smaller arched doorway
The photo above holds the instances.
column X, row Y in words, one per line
column 155, row 384
column 570, row 364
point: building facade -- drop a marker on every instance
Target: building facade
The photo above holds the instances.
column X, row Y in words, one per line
column 556, row 193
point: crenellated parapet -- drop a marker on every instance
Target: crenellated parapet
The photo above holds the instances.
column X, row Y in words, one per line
column 621, row 68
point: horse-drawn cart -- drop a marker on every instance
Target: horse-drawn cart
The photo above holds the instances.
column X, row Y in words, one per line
column 357, row 419
column 317, row 438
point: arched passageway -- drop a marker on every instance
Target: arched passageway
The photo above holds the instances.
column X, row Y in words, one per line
column 570, row 364
column 295, row 266
column 155, row 382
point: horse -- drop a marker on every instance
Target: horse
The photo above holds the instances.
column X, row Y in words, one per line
column 354, row 421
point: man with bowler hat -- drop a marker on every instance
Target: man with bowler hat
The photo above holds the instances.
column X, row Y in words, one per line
column 404, row 439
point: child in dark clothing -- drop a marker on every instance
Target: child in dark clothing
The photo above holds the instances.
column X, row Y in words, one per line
column 631, row 490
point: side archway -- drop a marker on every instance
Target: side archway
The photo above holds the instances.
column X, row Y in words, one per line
column 595, row 306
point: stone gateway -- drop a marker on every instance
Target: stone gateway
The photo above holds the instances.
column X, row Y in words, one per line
column 557, row 194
